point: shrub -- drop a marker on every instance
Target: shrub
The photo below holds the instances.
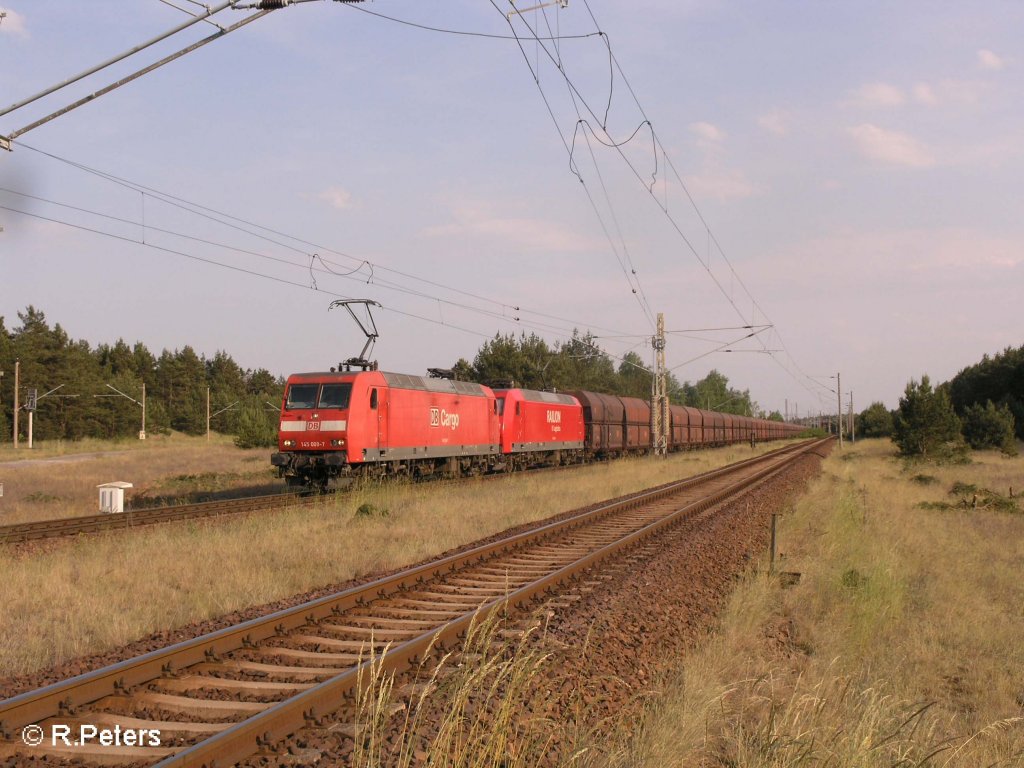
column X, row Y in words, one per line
column 925, row 424
column 876, row 421
column 989, row 427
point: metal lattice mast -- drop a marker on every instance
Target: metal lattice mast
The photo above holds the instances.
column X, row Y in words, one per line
column 659, row 399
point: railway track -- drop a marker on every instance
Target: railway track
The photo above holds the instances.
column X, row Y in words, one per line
column 63, row 527
column 221, row 697
column 122, row 521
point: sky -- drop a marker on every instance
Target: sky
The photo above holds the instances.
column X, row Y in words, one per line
column 844, row 179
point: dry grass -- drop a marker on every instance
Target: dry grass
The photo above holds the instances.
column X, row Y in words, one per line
column 101, row 592
column 901, row 646
column 59, row 479
column 466, row 714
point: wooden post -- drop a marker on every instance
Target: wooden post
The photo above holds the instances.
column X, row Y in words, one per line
column 839, row 409
column 17, row 384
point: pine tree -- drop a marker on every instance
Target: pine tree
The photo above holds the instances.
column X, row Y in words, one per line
column 6, row 382
column 581, row 364
column 257, row 425
column 925, row 422
column 986, row 426
column 999, row 379
column 634, row 377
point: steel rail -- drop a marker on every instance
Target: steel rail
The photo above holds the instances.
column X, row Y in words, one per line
column 71, row 526
column 64, row 697
column 285, row 718
column 61, row 527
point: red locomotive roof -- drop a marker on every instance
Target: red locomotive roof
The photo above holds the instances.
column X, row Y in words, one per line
column 401, row 381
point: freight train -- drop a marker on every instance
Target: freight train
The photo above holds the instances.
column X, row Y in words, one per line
column 374, row 424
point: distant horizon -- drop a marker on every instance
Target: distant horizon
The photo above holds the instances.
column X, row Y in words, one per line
column 738, row 385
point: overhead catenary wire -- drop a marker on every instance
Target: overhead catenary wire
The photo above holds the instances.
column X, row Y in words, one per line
column 588, row 131
column 650, row 188
column 232, row 267
column 325, row 269
column 273, row 278
column 668, row 161
column 6, row 141
column 626, row 271
column 460, row 32
column 246, row 226
column 190, row 13
column 719, row 348
column 597, row 168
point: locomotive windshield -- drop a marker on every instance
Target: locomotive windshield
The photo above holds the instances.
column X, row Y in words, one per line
column 335, row 395
column 301, row 396
column 304, row 396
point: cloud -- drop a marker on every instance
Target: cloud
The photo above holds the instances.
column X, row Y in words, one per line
column 537, row 234
column 776, row 122
column 989, row 60
column 722, row 186
column 336, row 197
column 958, row 92
column 707, row 132
column 891, row 147
column 875, row 95
column 925, row 94
column 906, row 257
column 13, row 23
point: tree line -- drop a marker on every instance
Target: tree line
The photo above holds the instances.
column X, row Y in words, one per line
column 528, row 361
column 981, row 407
column 96, row 386
column 85, row 403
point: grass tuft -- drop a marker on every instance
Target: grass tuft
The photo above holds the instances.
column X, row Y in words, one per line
column 467, row 713
column 41, row 497
column 371, row 510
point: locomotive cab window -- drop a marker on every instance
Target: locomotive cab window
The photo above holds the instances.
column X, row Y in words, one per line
column 373, row 399
column 335, row 395
column 301, row 396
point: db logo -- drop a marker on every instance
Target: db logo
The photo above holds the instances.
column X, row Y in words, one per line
column 435, row 417
column 312, row 426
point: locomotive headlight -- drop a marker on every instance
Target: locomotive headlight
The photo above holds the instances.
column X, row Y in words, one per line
column 289, row 443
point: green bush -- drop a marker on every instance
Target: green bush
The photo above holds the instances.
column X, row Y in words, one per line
column 986, row 426
column 925, row 424
column 876, row 421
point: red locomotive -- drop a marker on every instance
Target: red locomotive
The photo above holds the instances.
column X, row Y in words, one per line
column 539, row 427
column 371, row 423
column 384, row 423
